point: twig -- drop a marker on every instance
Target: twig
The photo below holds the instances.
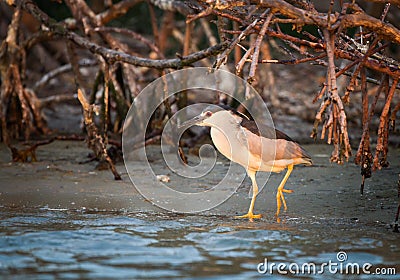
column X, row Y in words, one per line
column 134, row 35
column 364, row 156
column 165, row 30
column 385, row 11
column 222, row 58
column 383, row 130
column 61, row 70
column 360, row 62
column 106, row 103
column 207, row 30
column 27, row 154
column 242, row 61
column 293, row 61
column 256, row 47
column 95, row 140
column 115, row 11
column 79, row 80
column 187, row 42
column 173, row 6
column 205, row 13
column 340, row 136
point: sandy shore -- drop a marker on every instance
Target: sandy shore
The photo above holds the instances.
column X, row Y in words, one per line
column 322, row 191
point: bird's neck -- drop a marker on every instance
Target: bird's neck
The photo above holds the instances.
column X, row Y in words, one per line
column 227, row 123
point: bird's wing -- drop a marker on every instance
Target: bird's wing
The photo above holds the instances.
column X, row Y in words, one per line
column 273, row 144
column 264, row 130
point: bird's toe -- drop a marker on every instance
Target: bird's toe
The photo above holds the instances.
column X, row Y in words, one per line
column 288, row 191
column 250, row 216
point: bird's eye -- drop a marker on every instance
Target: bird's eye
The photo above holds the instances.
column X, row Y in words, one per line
column 208, row 114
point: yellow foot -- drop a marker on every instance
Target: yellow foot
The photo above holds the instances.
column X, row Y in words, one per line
column 249, row 215
column 281, row 199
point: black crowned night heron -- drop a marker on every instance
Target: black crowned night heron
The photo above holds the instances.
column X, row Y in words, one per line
column 255, row 146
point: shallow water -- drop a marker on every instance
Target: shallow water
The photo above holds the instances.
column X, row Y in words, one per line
column 55, row 243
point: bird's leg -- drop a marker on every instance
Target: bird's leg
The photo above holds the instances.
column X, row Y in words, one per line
column 250, row 215
column 281, row 190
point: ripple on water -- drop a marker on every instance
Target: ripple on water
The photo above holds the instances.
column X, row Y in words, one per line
column 80, row 245
column 224, row 243
column 101, row 271
column 156, row 256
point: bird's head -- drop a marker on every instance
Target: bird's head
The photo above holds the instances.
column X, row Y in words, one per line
column 215, row 116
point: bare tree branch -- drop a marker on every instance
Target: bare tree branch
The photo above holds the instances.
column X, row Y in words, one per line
column 112, row 55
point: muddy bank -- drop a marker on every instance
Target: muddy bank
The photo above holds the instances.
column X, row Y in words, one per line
column 322, row 191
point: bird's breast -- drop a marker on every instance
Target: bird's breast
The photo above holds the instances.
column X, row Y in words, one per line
column 228, row 143
column 221, row 142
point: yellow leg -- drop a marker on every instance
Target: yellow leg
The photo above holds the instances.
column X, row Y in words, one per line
column 281, row 190
column 250, row 215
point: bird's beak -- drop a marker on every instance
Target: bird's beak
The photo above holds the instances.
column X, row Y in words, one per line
column 195, row 121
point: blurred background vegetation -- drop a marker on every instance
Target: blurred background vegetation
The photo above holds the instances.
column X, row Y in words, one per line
column 43, row 65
